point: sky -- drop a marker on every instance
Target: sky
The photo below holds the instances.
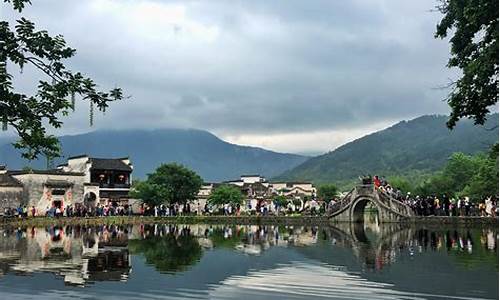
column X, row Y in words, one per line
column 291, row 76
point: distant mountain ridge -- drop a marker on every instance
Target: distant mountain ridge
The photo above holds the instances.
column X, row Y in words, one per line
column 213, row 158
column 422, row 144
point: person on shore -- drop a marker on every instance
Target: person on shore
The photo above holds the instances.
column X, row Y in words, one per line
column 376, row 181
column 437, row 207
column 467, row 206
column 446, row 205
column 482, row 209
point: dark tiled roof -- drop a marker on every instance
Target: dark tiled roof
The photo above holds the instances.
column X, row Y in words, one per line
column 58, row 183
column 7, row 180
column 78, row 156
column 110, row 164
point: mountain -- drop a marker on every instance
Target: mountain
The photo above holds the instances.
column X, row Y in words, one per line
column 211, row 157
column 420, row 145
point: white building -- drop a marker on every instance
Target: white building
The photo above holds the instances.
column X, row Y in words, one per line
column 83, row 180
column 106, row 179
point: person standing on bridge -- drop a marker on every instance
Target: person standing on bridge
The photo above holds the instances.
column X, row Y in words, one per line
column 376, row 181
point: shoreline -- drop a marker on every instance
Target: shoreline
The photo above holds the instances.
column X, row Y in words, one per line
column 236, row 220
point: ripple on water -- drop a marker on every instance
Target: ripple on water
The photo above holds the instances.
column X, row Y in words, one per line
column 305, row 281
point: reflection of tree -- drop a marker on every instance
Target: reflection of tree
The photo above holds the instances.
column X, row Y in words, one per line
column 169, row 253
column 471, row 248
column 225, row 237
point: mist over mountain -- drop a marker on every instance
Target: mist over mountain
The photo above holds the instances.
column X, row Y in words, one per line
column 419, row 145
column 211, row 157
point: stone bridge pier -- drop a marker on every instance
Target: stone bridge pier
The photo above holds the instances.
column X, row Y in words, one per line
column 351, row 208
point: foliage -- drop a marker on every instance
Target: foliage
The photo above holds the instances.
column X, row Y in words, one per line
column 226, row 194
column 280, row 200
column 484, row 182
column 170, row 183
column 327, row 191
column 149, row 193
column 298, row 203
column 465, row 175
column 169, row 253
column 474, row 50
column 412, row 149
column 401, row 183
column 29, row 115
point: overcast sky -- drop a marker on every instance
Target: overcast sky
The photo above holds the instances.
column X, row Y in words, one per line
column 294, row 76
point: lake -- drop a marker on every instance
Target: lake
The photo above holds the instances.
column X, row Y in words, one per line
column 349, row 261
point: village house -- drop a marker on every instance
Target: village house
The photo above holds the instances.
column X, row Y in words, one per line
column 11, row 190
column 206, row 189
column 83, row 180
column 106, row 179
column 44, row 189
column 294, row 189
column 257, row 190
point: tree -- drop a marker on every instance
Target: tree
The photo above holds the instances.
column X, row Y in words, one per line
column 327, row 191
column 474, row 50
column 29, row 115
column 149, row 193
column 226, row 194
column 484, row 182
column 170, row 183
column 280, row 201
column 465, row 175
column 400, row 183
column 453, row 177
column 298, row 204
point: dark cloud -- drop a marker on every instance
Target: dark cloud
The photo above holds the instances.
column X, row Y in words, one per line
column 255, row 67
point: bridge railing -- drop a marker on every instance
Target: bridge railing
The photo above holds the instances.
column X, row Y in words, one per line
column 340, row 205
column 369, row 190
column 394, row 204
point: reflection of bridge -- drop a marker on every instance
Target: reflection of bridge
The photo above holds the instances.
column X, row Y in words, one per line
column 351, row 207
column 375, row 251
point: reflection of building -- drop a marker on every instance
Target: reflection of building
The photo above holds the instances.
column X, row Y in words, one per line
column 82, row 180
column 79, row 258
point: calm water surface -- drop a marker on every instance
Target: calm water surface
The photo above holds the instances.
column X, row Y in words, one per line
column 248, row 262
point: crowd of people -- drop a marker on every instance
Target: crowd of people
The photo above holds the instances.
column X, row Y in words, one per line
column 101, row 210
column 440, row 205
column 165, row 210
column 430, row 205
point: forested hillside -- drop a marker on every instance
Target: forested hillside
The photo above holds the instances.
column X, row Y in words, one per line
column 421, row 145
column 211, row 157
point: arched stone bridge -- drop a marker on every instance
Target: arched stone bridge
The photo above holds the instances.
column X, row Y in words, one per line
column 351, row 207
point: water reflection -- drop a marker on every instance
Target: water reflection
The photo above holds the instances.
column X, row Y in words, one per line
column 77, row 254
column 347, row 254
column 168, row 248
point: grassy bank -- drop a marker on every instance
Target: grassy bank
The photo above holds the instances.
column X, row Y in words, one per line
column 276, row 220
column 243, row 220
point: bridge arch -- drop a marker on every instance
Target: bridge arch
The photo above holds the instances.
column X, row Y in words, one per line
column 358, row 208
column 351, row 207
